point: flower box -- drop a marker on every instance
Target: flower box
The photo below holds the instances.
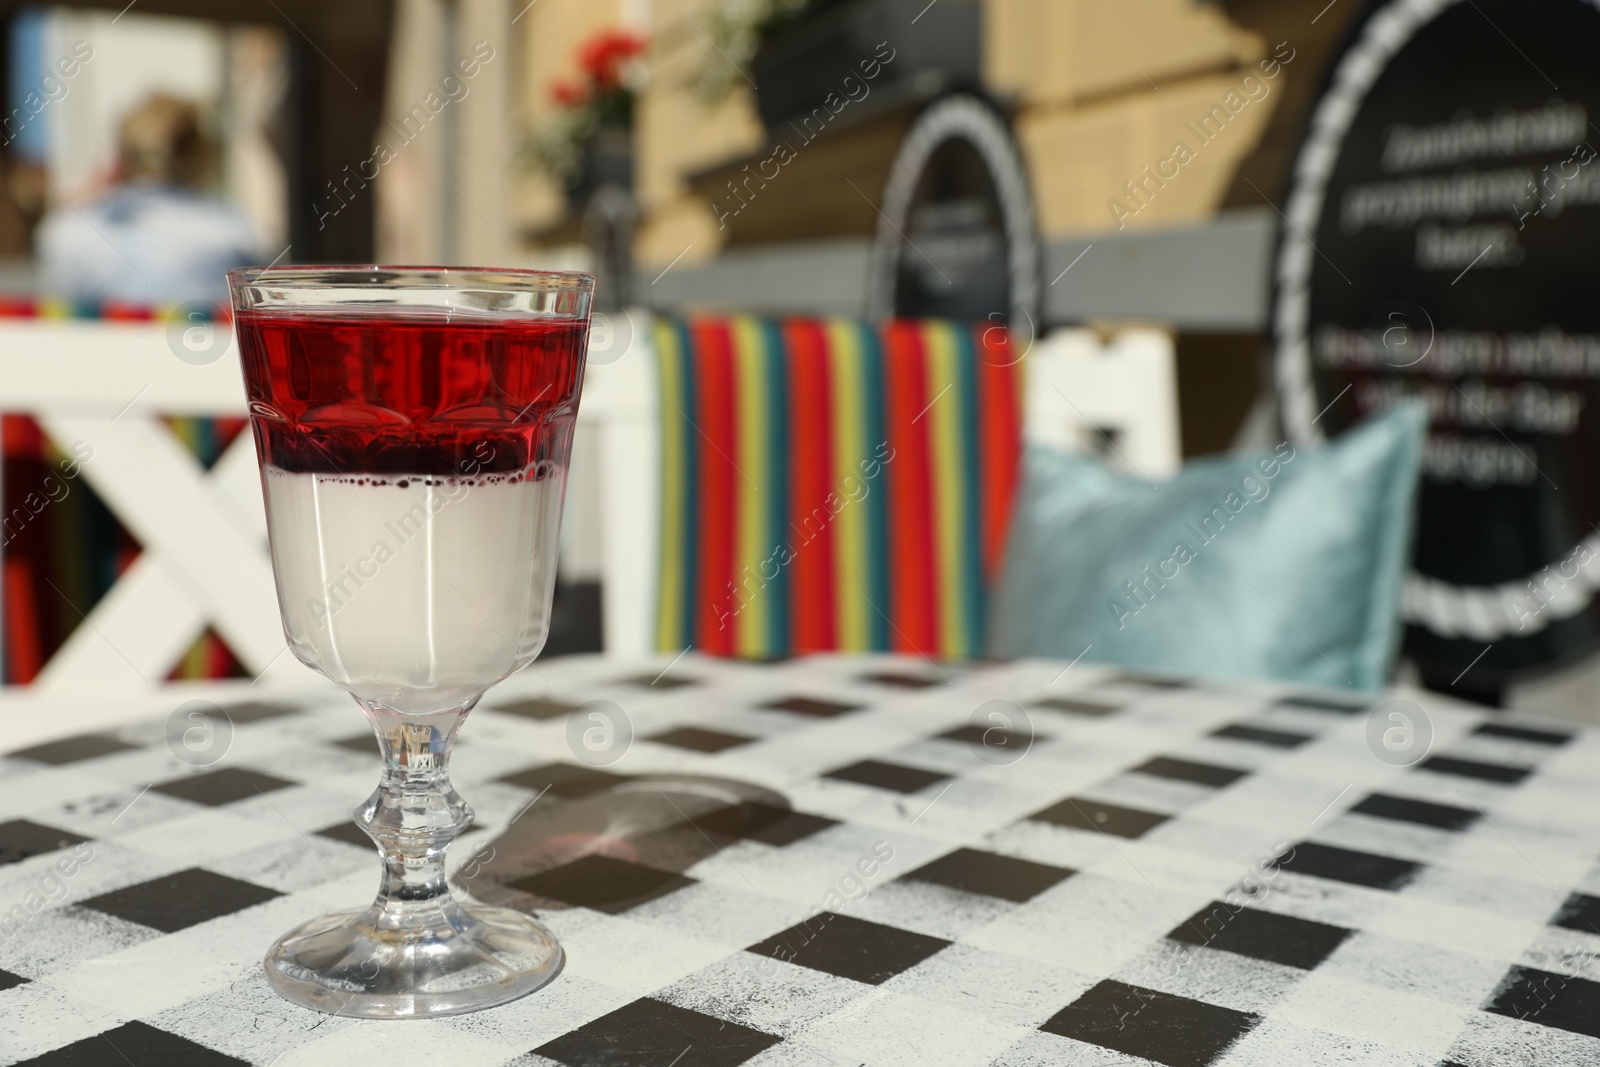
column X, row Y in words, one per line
column 935, row 48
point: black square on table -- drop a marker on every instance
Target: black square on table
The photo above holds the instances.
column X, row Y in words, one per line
column 699, row 739
column 1168, row 1029
column 10, row 981
column 178, row 901
column 650, row 1033
column 22, row 838
column 820, row 709
column 994, row 738
column 899, row 680
column 1580, row 911
column 1422, row 812
column 1332, row 705
column 660, row 681
column 1467, row 768
column 1556, row 1000
column 1085, row 814
column 258, row 711
column 365, row 743
column 565, row 779
column 536, row 708
column 1348, row 865
column 136, row 1043
column 1189, row 771
column 1093, row 709
column 991, row 874
column 73, row 749
column 1149, row 681
column 1523, row 733
column 602, row 884
column 850, row 948
column 766, row 823
column 216, row 788
column 1261, row 935
column 1261, row 735
column 893, row 776
column 348, row 832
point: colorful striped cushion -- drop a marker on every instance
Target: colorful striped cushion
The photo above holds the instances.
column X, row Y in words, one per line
column 827, row 485
column 31, row 307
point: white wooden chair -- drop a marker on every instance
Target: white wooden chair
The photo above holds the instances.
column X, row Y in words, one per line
column 204, row 560
column 614, row 491
column 1119, row 399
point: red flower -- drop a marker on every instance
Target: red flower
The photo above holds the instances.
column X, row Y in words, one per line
column 601, row 57
column 567, row 94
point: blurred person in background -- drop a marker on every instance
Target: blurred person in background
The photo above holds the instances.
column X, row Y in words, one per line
column 156, row 237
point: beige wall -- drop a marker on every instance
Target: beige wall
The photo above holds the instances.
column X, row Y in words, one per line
column 1052, row 52
column 1105, row 88
column 1080, row 158
column 679, row 133
column 1101, row 88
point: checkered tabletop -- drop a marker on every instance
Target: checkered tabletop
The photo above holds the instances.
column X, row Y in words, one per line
column 912, row 864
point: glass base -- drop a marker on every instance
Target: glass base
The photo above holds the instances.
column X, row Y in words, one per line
column 461, row 958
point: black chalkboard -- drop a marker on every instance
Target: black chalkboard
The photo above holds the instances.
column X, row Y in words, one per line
column 956, row 238
column 1441, row 241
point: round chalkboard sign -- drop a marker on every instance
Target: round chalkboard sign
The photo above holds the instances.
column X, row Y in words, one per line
column 956, row 238
column 1441, row 243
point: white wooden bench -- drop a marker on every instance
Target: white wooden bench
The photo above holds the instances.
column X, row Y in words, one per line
column 205, row 561
column 1117, row 398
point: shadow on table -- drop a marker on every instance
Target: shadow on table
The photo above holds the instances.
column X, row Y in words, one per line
column 611, row 842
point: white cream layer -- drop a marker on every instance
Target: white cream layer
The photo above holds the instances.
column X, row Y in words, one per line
column 416, row 593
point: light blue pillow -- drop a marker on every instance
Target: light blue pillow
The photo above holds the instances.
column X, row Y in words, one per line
column 1284, row 566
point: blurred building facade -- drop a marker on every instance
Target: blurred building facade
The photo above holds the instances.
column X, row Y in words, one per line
column 1087, row 117
column 782, row 216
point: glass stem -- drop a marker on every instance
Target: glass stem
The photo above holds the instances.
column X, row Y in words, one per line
column 412, row 817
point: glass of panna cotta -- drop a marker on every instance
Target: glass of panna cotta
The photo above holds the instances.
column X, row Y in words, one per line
column 414, row 427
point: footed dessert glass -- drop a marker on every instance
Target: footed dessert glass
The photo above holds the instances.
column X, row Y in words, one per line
column 414, row 427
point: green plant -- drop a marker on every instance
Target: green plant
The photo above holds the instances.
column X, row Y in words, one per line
column 736, row 30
